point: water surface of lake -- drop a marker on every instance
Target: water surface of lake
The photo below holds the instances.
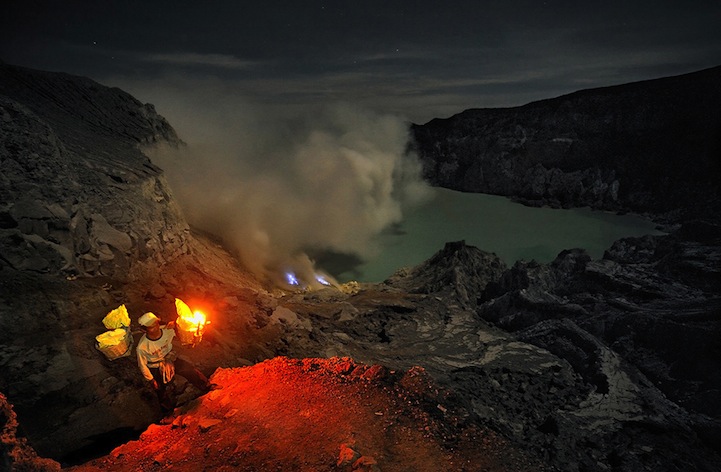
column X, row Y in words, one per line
column 494, row 224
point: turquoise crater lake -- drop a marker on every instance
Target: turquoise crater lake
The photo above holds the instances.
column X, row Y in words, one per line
column 494, row 224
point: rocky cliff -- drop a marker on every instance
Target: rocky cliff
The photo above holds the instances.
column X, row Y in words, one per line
column 647, row 147
column 87, row 223
column 78, row 195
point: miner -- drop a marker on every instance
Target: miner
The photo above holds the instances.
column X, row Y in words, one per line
column 159, row 363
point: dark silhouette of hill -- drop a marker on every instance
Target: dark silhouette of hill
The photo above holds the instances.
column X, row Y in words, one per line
column 648, row 147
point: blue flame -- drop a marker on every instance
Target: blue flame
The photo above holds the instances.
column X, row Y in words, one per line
column 291, row 278
column 320, row 278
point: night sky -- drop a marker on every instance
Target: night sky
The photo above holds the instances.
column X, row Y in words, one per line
column 417, row 59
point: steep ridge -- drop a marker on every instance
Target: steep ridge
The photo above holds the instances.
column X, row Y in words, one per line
column 647, row 147
column 76, row 187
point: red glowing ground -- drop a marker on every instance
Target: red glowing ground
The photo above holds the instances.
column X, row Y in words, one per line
column 316, row 415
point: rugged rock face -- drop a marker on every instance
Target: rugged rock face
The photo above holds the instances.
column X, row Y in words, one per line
column 454, row 272
column 87, row 223
column 652, row 146
column 15, row 453
column 78, row 195
column 654, row 300
column 593, row 365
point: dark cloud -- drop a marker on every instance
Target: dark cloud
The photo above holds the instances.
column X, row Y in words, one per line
column 372, row 51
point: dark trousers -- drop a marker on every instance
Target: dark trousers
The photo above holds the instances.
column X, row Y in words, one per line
column 165, row 392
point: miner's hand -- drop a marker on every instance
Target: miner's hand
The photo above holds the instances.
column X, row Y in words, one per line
column 154, row 384
column 171, row 324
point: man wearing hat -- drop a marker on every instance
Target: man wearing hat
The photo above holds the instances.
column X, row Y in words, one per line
column 158, row 362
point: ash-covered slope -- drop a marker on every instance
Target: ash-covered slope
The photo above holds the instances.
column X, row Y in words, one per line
column 652, row 146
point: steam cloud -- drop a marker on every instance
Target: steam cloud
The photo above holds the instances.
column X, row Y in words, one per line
column 275, row 185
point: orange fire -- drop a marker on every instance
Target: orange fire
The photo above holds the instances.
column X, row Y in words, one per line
column 190, row 323
column 194, row 322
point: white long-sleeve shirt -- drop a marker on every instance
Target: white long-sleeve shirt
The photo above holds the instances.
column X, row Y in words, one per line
column 152, row 352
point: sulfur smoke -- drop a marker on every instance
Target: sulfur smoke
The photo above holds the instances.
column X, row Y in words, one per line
column 278, row 186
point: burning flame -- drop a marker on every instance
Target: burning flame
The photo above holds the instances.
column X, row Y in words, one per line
column 190, row 321
column 321, row 279
column 291, row 279
column 196, row 320
column 307, row 281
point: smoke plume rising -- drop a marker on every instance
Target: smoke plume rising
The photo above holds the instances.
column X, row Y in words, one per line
column 277, row 185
